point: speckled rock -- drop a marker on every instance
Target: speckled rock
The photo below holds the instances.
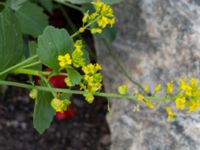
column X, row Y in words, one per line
column 157, row 41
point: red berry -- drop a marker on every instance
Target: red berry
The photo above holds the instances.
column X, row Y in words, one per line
column 57, row 81
column 69, row 113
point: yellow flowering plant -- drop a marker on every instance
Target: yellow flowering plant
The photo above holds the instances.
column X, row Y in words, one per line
column 66, row 55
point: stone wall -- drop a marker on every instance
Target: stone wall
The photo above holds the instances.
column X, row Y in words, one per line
column 157, row 41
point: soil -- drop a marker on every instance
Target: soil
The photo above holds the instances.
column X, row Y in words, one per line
column 87, row 130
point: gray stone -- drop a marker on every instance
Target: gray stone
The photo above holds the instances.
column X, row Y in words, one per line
column 157, row 41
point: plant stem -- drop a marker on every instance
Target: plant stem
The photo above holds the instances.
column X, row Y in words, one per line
column 18, row 65
column 101, row 94
column 85, row 27
column 69, row 5
column 30, row 65
column 122, row 69
column 34, row 72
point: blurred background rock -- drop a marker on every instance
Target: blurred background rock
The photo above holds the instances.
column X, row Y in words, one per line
column 157, row 41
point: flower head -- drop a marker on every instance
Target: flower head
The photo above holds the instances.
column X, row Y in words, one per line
column 60, row 105
column 170, row 113
column 64, row 60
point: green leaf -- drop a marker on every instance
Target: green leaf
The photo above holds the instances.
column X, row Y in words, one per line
column 43, row 112
column 87, row 7
column 32, row 19
column 74, row 76
column 109, row 34
column 110, row 2
column 86, row 56
column 11, row 44
column 51, row 43
column 32, row 51
column 65, row 96
column 48, row 4
column 15, row 4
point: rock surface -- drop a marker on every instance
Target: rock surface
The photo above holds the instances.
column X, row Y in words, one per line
column 157, row 41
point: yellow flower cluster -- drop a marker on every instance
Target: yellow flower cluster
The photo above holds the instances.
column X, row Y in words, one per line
column 185, row 98
column 92, row 80
column 60, row 105
column 188, row 95
column 103, row 15
column 76, row 58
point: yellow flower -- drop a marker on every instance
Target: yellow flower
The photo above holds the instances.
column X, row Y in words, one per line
column 64, row 60
column 146, row 88
column 193, row 81
column 85, row 17
column 68, row 82
column 193, row 106
column 96, row 30
column 103, row 22
column 81, row 29
column 158, row 88
column 89, row 97
column 91, row 69
column 140, row 97
column 188, row 90
column 170, row 113
column 149, row 104
column 59, row 105
column 180, row 103
column 123, row 89
column 169, row 88
column 33, row 93
column 182, row 84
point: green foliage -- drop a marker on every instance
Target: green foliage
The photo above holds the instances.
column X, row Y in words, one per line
column 48, row 4
column 32, row 51
column 43, row 112
column 51, row 43
column 109, row 34
column 32, row 19
column 11, row 47
column 74, row 75
column 15, row 4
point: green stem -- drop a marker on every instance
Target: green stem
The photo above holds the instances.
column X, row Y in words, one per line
column 85, row 27
column 30, row 65
column 101, row 94
column 122, row 69
column 34, row 72
column 18, row 65
column 69, row 5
